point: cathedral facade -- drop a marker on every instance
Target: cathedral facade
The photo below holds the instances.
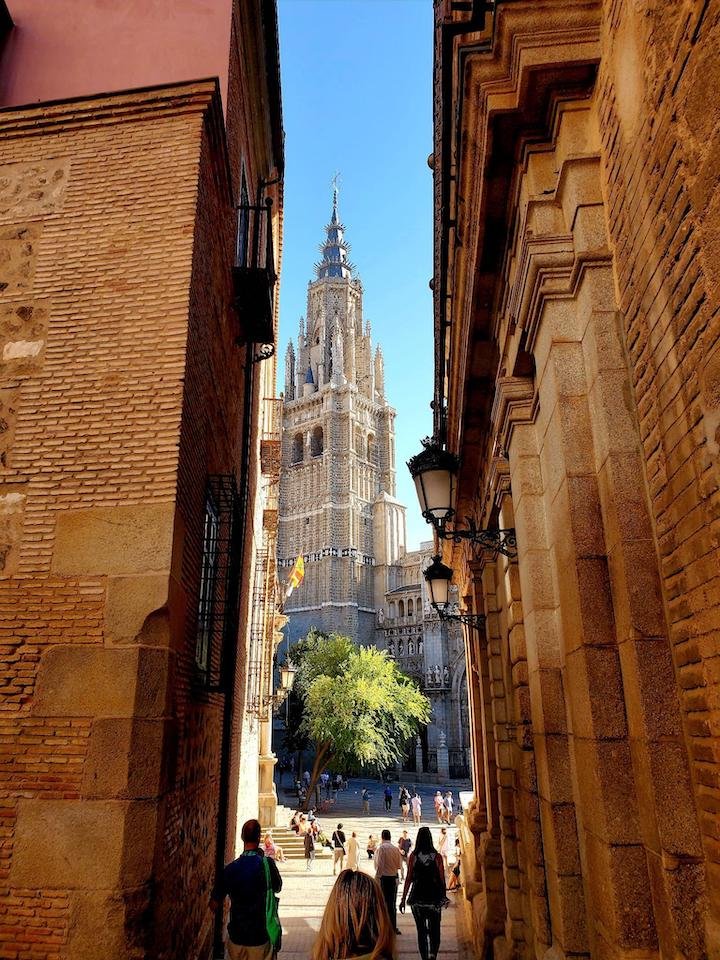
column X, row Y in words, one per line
column 338, row 507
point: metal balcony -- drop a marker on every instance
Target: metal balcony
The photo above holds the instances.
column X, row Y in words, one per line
column 254, row 274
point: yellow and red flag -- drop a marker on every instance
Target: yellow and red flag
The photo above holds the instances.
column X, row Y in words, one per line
column 297, row 575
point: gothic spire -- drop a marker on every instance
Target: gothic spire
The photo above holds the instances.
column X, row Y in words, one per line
column 290, row 372
column 335, row 249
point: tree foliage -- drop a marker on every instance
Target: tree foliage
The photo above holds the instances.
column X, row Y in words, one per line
column 358, row 708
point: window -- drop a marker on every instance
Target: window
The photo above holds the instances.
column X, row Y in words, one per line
column 316, row 442
column 371, row 448
column 393, row 612
column 297, row 448
column 401, row 608
column 410, row 607
column 208, row 578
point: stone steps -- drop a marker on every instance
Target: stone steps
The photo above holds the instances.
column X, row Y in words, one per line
column 290, row 842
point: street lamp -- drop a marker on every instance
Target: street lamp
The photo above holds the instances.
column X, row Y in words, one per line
column 258, row 705
column 287, row 677
column 434, row 471
column 438, row 576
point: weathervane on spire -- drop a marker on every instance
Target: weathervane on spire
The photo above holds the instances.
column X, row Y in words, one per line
column 335, row 184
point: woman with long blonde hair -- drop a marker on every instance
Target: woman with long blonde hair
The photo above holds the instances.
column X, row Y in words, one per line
column 356, row 922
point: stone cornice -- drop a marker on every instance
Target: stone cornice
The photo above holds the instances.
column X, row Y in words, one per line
column 496, row 85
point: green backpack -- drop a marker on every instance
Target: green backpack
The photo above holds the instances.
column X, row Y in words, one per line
column 272, row 920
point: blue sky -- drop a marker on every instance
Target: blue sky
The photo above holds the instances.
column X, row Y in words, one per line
column 357, row 97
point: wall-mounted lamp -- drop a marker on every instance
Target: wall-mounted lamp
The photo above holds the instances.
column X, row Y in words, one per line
column 434, row 471
column 258, row 705
column 438, row 576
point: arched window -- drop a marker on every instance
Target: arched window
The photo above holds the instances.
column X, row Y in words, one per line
column 371, row 448
column 316, row 442
column 359, row 442
column 393, row 611
column 401, row 608
column 418, row 606
column 297, row 448
column 410, row 607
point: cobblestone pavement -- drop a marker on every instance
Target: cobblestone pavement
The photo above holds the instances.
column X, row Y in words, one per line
column 305, row 893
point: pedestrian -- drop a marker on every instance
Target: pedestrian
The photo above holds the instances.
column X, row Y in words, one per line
column 404, row 845
column 388, row 797
column 448, row 804
column 439, row 807
column 338, row 842
column 353, row 852
column 271, row 849
column 246, row 881
column 306, row 779
column 366, row 800
column 309, row 842
column 404, row 804
column 443, row 847
column 355, row 922
column 455, row 882
column 425, row 883
column 388, row 862
column 416, row 804
column 371, row 846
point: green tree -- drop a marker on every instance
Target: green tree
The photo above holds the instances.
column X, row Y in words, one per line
column 358, row 708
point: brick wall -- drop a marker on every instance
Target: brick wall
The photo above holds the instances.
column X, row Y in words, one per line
column 210, row 439
column 121, row 392
column 660, row 129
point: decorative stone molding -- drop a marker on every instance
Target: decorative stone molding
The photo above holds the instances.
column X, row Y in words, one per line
column 515, row 401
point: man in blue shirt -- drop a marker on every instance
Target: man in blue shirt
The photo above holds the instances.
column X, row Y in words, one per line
column 244, row 882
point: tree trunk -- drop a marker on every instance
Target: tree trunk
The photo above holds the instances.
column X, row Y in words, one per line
column 323, row 755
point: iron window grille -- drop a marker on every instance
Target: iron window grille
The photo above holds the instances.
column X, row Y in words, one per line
column 217, row 611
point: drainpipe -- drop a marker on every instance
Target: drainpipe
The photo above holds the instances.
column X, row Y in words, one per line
column 230, row 641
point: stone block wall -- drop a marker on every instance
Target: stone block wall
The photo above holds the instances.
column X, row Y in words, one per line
column 588, row 145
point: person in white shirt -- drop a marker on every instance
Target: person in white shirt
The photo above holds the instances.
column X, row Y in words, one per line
column 388, row 862
column 416, row 805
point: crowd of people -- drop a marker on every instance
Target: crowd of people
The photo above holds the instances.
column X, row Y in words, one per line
column 410, row 802
column 360, row 918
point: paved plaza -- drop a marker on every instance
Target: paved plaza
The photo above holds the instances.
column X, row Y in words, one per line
column 305, row 893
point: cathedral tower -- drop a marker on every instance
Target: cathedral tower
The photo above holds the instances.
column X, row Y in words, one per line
column 337, row 487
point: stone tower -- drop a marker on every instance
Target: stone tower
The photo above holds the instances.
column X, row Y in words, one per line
column 337, row 488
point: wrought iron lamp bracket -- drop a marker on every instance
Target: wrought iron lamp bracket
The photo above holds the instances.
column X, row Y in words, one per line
column 471, row 619
column 498, row 541
column 258, row 706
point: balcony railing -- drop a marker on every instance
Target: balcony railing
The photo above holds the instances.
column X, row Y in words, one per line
column 270, row 438
column 254, row 274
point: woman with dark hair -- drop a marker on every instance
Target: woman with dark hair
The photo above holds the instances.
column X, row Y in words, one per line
column 426, row 882
column 356, row 922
